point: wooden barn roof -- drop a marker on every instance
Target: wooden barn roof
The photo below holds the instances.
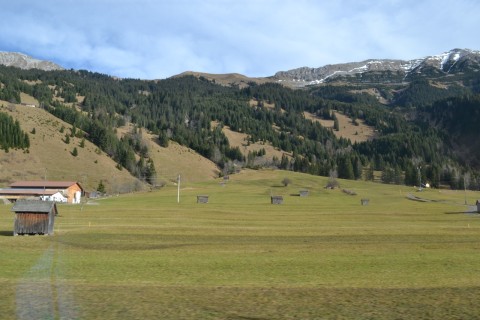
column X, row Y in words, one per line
column 42, row 184
column 32, row 192
column 34, row 206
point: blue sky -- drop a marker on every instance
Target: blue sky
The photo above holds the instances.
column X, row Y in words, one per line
column 154, row 39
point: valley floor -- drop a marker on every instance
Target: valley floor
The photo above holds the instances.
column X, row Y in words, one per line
column 324, row 256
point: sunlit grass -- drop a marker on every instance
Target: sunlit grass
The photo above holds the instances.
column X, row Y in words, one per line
column 321, row 256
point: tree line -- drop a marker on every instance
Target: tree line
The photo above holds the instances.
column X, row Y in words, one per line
column 193, row 112
column 11, row 135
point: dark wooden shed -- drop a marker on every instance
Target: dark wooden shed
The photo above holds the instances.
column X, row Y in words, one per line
column 276, row 199
column 303, row 193
column 34, row 217
column 202, row 199
column 364, row 202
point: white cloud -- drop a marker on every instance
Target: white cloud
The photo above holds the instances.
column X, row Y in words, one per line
column 157, row 39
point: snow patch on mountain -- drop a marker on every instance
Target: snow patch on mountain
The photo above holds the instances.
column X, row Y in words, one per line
column 444, row 62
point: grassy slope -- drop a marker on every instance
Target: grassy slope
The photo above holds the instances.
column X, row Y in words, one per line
column 228, row 79
column 238, row 257
column 49, row 152
column 347, row 129
column 175, row 160
column 237, row 139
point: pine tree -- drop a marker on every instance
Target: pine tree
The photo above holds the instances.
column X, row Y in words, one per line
column 336, row 125
column 345, row 168
column 151, row 173
column 370, row 174
column 101, row 187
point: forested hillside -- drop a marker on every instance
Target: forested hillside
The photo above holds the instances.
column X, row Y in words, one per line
column 11, row 135
column 421, row 128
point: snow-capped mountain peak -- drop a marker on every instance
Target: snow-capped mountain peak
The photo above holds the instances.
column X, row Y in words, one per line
column 451, row 61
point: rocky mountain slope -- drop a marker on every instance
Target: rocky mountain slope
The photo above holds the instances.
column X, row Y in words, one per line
column 451, row 62
column 22, row 61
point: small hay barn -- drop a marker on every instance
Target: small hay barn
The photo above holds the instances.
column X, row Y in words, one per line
column 303, row 193
column 34, row 217
column 276, row 200
column 202, row 199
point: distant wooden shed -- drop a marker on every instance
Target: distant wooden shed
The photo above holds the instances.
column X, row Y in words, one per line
column 303, row 193
column 478, row 206
column 34, row 217
column 276, row 199
column 202, row 199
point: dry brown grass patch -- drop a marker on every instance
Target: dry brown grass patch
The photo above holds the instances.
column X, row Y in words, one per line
column 348, row 130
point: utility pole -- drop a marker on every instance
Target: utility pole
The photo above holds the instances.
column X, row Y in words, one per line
column 419, row 177
column 178, row 189
column 44, row 183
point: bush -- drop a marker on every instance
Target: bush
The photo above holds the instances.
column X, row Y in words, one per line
column 286, row 181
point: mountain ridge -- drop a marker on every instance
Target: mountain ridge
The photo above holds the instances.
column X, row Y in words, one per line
column 447, row 62
column 23, row 61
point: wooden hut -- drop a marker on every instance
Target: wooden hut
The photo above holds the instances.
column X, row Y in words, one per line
column 276, row 199
column 478, row 206
column 202, row 199
column 303, row 193
column 34, row 217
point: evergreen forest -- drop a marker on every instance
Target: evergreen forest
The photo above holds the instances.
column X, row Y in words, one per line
column 422, row 133
column 11, row 135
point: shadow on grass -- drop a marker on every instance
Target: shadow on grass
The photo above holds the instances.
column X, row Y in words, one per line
column 6, row 233
column 462, row 212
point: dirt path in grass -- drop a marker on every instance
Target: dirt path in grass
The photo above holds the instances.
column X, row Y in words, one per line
column 42, row 293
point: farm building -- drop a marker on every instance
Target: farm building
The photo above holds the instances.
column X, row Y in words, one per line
column 202, row 199
column 303, row 193
column 478, row 206
column 276, row 199
column 15, row 194
column 60, row 191
column 34, row 217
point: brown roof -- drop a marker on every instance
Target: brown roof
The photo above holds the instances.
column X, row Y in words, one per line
column 43, row 184
column 32, row 192
column 36, row 206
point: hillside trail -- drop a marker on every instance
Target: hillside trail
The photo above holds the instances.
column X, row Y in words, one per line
column 43, row 293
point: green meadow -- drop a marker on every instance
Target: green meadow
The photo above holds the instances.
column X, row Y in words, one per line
column 324, row 256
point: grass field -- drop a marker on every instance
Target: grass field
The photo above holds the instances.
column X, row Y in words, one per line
column 238, row 257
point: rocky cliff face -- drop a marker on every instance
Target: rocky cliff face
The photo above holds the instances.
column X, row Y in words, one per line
column 454, row 61
column 23, row 61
